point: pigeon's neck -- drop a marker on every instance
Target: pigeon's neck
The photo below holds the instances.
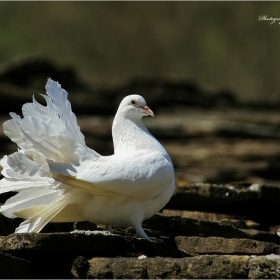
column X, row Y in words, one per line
column 132, row 135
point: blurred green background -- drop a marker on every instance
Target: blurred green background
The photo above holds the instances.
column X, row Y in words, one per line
column 219, row 45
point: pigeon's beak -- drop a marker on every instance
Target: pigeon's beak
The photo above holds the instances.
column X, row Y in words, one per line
column 148, row 111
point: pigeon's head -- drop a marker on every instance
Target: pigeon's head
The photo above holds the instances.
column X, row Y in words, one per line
column 134, row 107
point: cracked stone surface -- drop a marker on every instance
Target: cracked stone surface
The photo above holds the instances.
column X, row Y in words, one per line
column 93, row 243
column 166, row 268
column 264, row 267
column 175, row 225
column 220, row 245
column 199, row 267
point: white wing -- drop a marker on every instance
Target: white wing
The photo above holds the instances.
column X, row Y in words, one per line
column 150, row 173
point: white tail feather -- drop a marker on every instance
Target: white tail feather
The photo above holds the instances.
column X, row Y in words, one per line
column 13, row 131
column 41, row 136
column 37, row 222
column 18, row 162
column 13, row 185
column 45, row 135
column 63, row 108
column 28, row 198
column 48, row 211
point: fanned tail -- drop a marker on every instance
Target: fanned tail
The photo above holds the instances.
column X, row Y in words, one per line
column 41, row 215
column 51, row 130
column 45, row 135
column 44, row 215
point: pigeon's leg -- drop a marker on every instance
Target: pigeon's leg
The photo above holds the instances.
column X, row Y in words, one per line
column 140, row 232
column 109, row 228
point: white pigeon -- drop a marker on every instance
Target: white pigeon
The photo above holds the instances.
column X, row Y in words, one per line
column 59, row 179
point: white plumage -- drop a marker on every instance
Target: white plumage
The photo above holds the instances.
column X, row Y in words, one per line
column 59, row 179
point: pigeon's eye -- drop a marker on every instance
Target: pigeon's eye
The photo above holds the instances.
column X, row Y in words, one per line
column 133, row 102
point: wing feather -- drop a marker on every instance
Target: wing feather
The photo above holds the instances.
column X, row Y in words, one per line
column 87, row 187
column 143, row 176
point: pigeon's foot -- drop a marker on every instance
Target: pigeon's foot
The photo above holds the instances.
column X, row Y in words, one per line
column 156, row 239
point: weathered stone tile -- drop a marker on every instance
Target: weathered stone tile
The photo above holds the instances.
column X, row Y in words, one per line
column 90, row 243
column 80, row 267
column 213, row 196
column 220, row 245
column 235, row 199
column 233, row 220
column 241, row 223
column 191, row 227
column 206, row 216
column 264, row 267
column 167, row 268
column 262, row 235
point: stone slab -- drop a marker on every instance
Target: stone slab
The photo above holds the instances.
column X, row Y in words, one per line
column 234, row 199
column 264, row 267
column 177, row 226
column 96, row 243
column 220, row 245
column 200, row 267
column 234, row 220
